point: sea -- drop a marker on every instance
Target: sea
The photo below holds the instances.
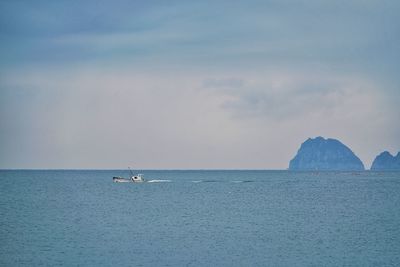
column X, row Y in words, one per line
column 199, row 218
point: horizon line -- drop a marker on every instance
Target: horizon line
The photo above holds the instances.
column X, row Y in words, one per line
column 144, row 169
column 175, row 169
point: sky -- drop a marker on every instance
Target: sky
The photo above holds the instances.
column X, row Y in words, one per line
column 195, row 84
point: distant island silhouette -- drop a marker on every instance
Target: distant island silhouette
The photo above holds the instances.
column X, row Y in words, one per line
column 386, row 162
column 332, row 155
column 325, row 154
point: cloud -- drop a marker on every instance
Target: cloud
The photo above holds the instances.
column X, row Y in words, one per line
column 228, row 83
column 241, row 35
column 289, row 96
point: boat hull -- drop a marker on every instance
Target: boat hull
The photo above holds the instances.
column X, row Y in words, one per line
column 124, row 180
column 120, row 180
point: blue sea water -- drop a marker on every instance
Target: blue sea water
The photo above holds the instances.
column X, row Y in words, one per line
column 199, row 218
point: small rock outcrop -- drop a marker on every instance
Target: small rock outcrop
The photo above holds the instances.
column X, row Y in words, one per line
column 325, row 154
column 386, row 162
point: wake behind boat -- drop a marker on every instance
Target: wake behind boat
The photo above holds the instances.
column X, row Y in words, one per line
column 133, row 178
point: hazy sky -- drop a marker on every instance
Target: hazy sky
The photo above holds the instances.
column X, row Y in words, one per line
column 195, row 84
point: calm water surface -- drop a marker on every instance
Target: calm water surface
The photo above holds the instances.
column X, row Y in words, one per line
column 199, row 218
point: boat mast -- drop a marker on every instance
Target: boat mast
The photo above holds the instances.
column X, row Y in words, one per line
column 130, row 171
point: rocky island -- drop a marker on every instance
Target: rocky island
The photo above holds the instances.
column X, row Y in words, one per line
column 386, row 162
column 325, row 154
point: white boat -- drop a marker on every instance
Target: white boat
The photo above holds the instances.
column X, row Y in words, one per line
column 133, row 178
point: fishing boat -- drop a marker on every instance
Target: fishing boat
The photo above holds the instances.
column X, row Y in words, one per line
column 134, row 178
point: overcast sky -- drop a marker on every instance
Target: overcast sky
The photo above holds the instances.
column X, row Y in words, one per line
column 195, row 84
